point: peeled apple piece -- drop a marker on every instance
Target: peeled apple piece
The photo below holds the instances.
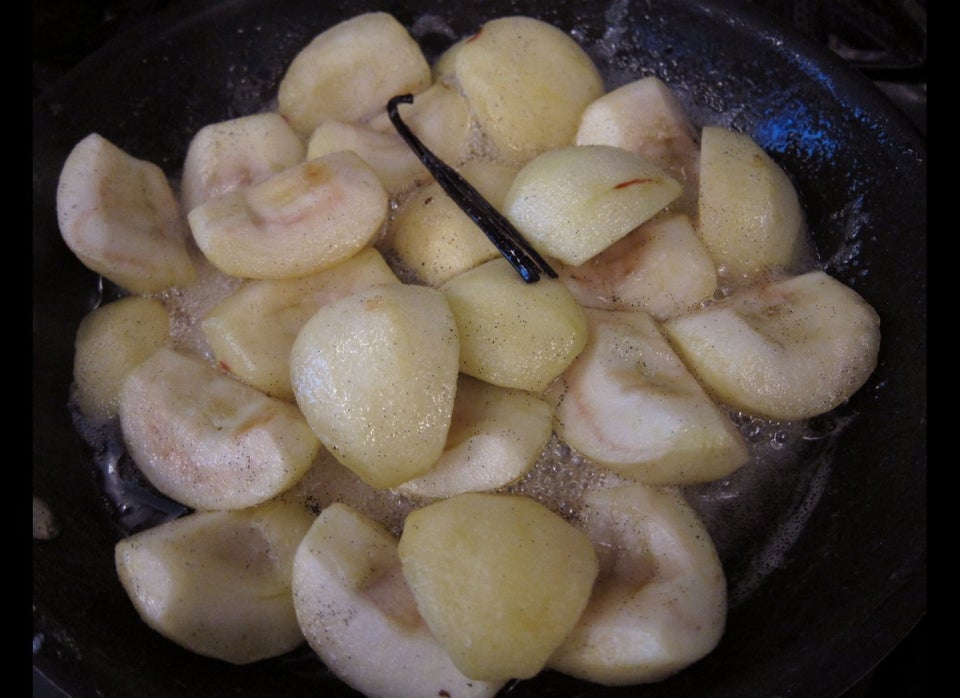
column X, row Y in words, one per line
column 646, row 117
column 750, row 218
column 790, row 349
column 629, row 404
column 500, row 580
column 439, row 116
column 359, row 616
column 303, row 220
column 397, row 167
column 111, row 341
column 434, row 239
column 496, row 435
column 375, row 375
column 329, row 481
column 661, row 267
column 252, row 331
column 219, row 583
column 660, row 600
column 231, row 154
column 350, row 71
column 572, row 203
column 514, row 334
column 208, row 441
column 526, row 83
column 121, row 219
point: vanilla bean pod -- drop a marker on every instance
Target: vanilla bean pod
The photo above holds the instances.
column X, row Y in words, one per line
column 501, row 232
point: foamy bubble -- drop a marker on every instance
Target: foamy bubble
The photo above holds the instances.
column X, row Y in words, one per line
column 188, row 305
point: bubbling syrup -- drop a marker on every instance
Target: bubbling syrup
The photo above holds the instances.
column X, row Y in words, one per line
column 753, row 515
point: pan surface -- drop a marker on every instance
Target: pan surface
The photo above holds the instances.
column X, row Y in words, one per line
column 816, row 607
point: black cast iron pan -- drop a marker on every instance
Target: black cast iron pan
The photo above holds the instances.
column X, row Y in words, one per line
column 852, row 581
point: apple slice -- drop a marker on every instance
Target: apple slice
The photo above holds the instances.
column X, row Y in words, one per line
column 119, row 216
column 359, row 616
column 375, row 374
column 297, row 222
column 750, row 218
column 496, row 435
column 629, row 404
column 439, row 116
column 660, row 600
column 572, row 203
column 252, row 331
column 514, row 334
column 790, row 349
column 329, row 481
column 111, row 341
column 349, row 71
column 431, row 236
column 397, row 167
column 219, row 583
column 661, row 267
column 646, row 117
column 236, row 153
column 499, row 579
column 207, row 440
column 526, row 82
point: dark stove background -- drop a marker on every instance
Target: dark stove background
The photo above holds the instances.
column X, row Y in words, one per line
column 884, row 39
column 887, row 41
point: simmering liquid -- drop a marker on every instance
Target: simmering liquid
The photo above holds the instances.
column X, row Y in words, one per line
column 754, row 515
